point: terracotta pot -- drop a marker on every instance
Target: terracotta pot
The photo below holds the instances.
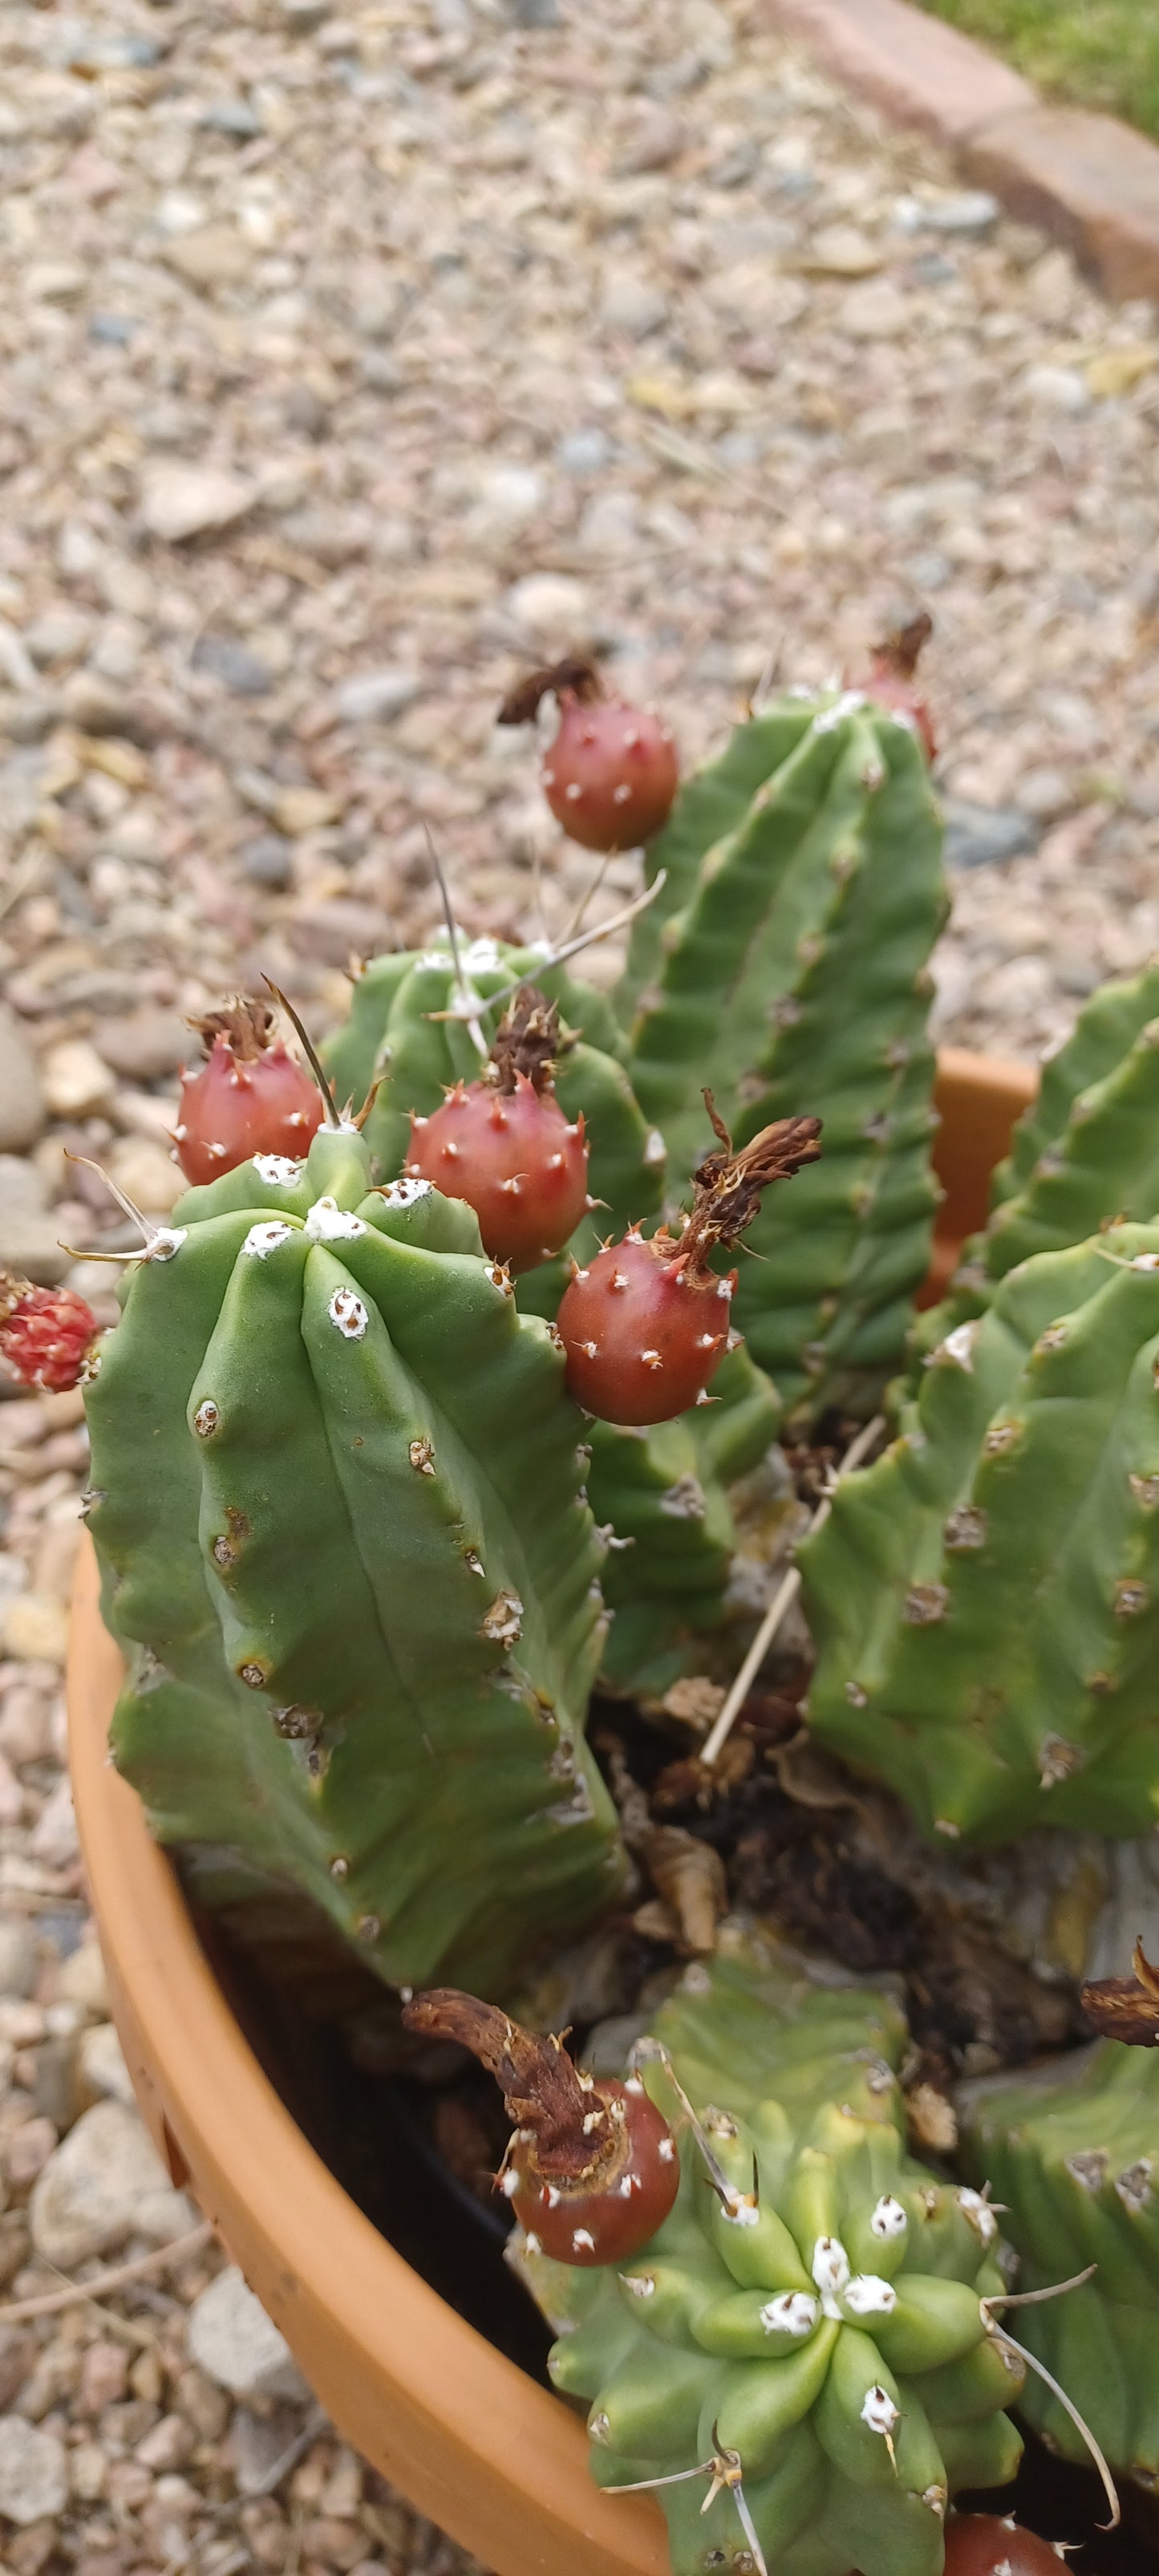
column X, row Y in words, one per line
column 471, row 2440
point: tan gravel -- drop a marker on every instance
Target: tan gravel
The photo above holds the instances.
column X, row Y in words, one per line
column 349, row 361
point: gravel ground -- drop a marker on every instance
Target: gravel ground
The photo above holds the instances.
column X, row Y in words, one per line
column 350, row 361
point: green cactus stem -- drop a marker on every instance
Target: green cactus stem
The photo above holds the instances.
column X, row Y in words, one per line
column 661, row 1497
column 1085, row 1152
column 985, row 1598
column 338, row 1504
column 1072, row 2150
column 795, row 970
column 801, row 2358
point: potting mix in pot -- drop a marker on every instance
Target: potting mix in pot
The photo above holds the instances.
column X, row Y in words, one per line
column 565, row 1584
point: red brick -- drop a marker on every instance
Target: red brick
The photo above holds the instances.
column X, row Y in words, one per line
column 1089, row 180
column 916, row 70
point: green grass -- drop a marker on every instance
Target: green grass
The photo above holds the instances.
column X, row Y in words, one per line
column 1096, row 53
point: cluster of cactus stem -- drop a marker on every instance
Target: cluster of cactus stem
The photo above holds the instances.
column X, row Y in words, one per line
column 386, row 1471
column 802, row 2353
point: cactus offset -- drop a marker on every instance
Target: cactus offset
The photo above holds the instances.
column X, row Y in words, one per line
column 1085, row 1152
column 985, row 1599
column 795, row 974
column 1072, row 2150
column 803, row 2345
column 337, row 1499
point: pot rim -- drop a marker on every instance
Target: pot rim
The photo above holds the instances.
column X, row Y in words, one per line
column 473, row 2442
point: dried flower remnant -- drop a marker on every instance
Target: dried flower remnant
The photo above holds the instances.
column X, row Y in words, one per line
column 1126, row 2008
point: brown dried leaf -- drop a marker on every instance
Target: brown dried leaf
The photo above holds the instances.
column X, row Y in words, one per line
column 1126, row 2008
column 690, row 1877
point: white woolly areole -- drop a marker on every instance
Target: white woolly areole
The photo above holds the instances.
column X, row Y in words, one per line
column 846, row 705
column 403, row 1194
column 277, row 1171
column 830, row 2270
column 889, row 2218
column 264, row 1239
column 959, row 1345
column 482, row 957
column 794, row 2313
column 1144, row 1261
column 167, row 1240
column 328, row 1223
column 879, row 2411
column 979, row 2213
column 655, row 1149
column 867, row 2296
column 348, row 1313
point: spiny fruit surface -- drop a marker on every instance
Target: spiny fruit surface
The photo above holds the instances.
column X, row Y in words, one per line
column 46, row 1334
column 642, row 1338
column 611, row 771
column 250, row 1097
column 785, row 963
column 804, row 2340
column 1087, row 1150
column 642, row 1326
column 983, row 2544
column 1072, row 2150
column 337, row 1497
column 985, row 1598
column 514, row 1158
column 591, row 2169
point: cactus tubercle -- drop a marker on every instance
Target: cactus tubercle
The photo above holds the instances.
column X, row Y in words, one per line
column 504, row 1144
column 249, row 1097
column 46, row 1334
column 611, row 774
column 645, row 1324
column 591, row 2169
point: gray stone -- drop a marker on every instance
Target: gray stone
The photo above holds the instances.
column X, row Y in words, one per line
column 268, row 861
column 33, row 2471
column 233, row 2340
column 28, row 1232
column 981, row 836
column 103, row 2183
column 584, row 451
column 629, row 304
column 1044, row 794
column 102, row 2065
column 146, row 1045
column 373, row 697
column 18, row 1959
column 22, row 1110
column 240, row 670
column 258, row 2443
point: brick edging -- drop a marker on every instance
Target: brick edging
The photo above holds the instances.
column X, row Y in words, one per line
column 1089, row 180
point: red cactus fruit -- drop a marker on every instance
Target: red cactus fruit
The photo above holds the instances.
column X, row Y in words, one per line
column 46, row 1334
column 504, row 1145
column 591, row 2169
column 978, row 2544
column 892, row 679
column 646, row 1323
column 612, row 772
column 250, row 1098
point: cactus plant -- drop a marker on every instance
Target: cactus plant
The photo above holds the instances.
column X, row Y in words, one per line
column 1087, row 1150
column 804, row 893
column 985, row 1598
column 611, row 771
column 392, row 1033
column 337, row 1500
column 800, row 2361
column 1072, row 2149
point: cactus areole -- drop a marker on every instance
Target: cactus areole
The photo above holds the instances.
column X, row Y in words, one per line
column 978, row 2544
column 611, row 773
column 645, row 1324
column 46, row 1334
column 504, row 1145
column 250, row 1097
column 591, row 2168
